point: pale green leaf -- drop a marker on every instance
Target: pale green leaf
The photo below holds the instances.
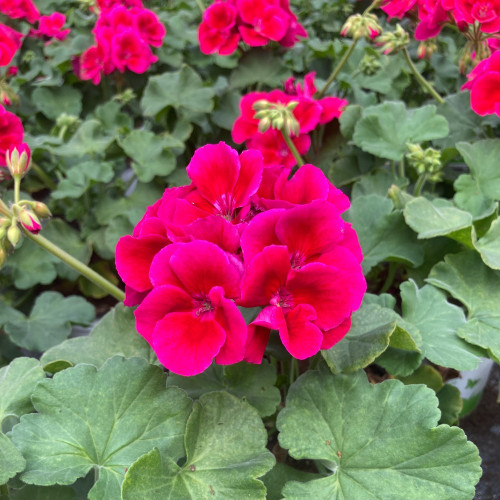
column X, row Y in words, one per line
column 11, row 460
column 103, row 419
column 382, row 232
column 50, row 320
column 53, row 102
column 379, row 442
column 179, row 89
column 385, row 129
column 489, row 246
column 115, row 334
column 226, row 452
column 470, row 281
column 253, row 383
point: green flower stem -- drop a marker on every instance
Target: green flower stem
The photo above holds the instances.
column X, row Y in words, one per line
column 419, row 185
column 17, row 189
column 84, row 270
column 44, row 177
column 292, row 148
column 337, row 69
column 402, row 168
column 391, row 274
column 425, row 84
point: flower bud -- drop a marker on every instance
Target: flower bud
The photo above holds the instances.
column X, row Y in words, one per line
column 261, row 104
column 3, row 255
column 362, row 26
column 426, row 49
column 18, row 159
column 41, row 209
column 425, row 161
column 264, row 124
column 13, row 234
column 29, row 221
column 394, row 41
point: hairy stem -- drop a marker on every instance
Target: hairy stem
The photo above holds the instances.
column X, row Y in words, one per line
column 292, row 148
column 43, row 176
column 84, row 270
column 425, row 84
column 419, row 185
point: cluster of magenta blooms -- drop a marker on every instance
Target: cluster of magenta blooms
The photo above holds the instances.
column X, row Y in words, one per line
column 124, row 33
column 479, row 20
column 238, row 238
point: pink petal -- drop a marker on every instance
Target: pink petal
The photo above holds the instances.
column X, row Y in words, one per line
column 217, row 230
column 187, row 344
column 307, row 184
column 158, row 303
column 134, row 257
column 258, row 337
column 251, row 37
column 160, row 272
column 324, row 288
column 331, row 337
column 260, row 233
column 485, row 92
column 301, row 337
column 214, row 169
column 309, row 229
column 201, row 265
column 332, row 107
column 264, row 276
column 250, row 177
column 230, row 319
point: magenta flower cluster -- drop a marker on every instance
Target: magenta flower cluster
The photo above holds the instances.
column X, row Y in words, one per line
column 236, row 238
column 257, row 22
column 124, row 34
column 309, row 113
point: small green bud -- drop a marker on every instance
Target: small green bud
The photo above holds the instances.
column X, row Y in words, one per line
column 261, row 104
column 395, row 41
column 13, row 234
column 264, row 124
column 41, row 209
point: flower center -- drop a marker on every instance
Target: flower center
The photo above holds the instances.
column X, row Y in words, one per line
column 297, row 260
column 483, row 12
column 203, row 305
column 282, row 298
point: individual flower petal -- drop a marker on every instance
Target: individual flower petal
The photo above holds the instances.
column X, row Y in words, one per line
column 258, row 337
column 331, row 337
column 187, row 344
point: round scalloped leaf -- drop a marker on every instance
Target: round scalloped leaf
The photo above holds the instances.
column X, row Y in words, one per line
column 11, row 460
column 103, row 419
column 17, row 383
column 378, row 441
column 254, row 383
column 467, row 278
column 371, row 330
column 114, row 335
column 226, row 451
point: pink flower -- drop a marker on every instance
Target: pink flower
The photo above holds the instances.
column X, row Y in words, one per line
column 485, row 12
column 223, row 180
column 18, row 159
column 218, row 32
column 149, row 27
column 397, row 8
column 20, row 9
column 11, row 132
column 484, row 86
column 189, row 318
column 30, row 221
column 109, row 4
column 10, row 41
column 51, row 27
column 129, row 51
column 93, row 62
column 264, row 20
column 295, row 29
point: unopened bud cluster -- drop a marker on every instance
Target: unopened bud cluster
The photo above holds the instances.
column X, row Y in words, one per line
column 427, row 48
column 277, row 116
column 370, row 64
column 18, row 160
column 362, row 26
column 425, row 161
column 394, row 41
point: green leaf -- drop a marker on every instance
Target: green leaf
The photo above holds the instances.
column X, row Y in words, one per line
column 438, row 322
column 378, row 441
column 372, row 327
column 468, row 280
column 29, row 492
column 79, row 178
column 438, row 217
column 377, row 182
column 382, row 232
column 50, row 320
column 115, row 334
column 400, row 362
column 226, row 451
column 11, row 459
column 450, row 404
column 426, row 375
column 475, row 191
column 151, row 153
column 348, row 119
column 53, row 102
column 279, row 475
column 17, row 382
column 90, row 138
column 385, row 129
column 259, row 66
column 489, row 246
column 179, row 89
column 105, row 419
column 252, row 383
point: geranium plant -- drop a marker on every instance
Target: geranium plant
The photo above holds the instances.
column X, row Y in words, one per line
column 244, row 246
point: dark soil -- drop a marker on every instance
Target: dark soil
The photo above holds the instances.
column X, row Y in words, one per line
column 482, row 427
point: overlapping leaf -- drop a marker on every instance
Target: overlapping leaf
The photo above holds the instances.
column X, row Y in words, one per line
column 378, row 441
